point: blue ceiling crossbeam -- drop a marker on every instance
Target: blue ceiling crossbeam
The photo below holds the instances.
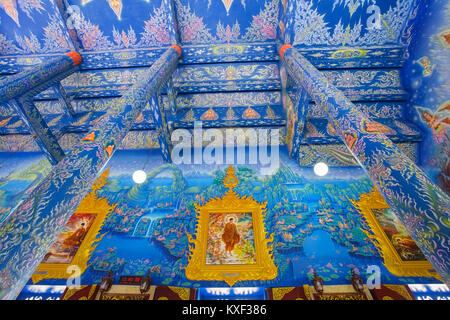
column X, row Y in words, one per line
column 36, row 124
column 18, row 90
column 358, row 84
column 161, row 126
column 300, row 102
column 64, row 99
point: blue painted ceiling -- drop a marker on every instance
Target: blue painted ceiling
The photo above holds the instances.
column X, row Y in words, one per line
column 229, row 60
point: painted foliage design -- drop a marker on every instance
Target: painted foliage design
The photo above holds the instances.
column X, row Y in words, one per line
column 216, row 25
column 42, row 213
column 130, row 26
column 32, row 27
column 397, row 178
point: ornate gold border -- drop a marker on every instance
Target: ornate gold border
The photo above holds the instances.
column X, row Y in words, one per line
column 231, row 202
column 90, row 204
column 391, row 258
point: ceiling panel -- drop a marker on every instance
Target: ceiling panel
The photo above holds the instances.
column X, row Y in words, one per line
column 32, row 27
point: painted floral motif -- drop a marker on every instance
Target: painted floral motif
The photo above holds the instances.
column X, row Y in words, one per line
column 54, row 36
column 124, row 39
column 250, row 113
column 227, row 4
column 209, row 114
column 228, row 34
column 194, row 30
column 264, row 25
column 6, row 46
column 311, row 26
column 54, row 40
column 50, row 38
column 91, row 36
column 156, row 28
column 116, row 6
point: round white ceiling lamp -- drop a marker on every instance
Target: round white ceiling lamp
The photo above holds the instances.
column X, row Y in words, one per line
column 139, row 176
column 320, row 169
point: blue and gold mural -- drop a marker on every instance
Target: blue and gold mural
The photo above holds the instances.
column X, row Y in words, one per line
column 348, row 23
column 314, row 223
column 32, row 27
column 388, row 62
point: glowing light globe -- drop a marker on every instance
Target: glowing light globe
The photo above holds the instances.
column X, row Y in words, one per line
column 321, row 169
column 139, row 176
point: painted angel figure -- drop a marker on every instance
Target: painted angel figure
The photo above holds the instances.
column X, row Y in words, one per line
column 437, row 121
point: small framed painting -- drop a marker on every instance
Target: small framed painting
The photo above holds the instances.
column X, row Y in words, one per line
column 230, row 242
column 401, row 255
column 78, row 240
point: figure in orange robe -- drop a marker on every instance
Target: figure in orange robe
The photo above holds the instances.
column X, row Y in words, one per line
column 75, row 238
column 230, row 236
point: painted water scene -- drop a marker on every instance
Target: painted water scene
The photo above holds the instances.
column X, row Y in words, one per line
column 230, row 239
column 397, row 234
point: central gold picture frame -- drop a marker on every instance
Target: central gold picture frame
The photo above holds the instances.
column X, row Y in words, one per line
column 231, row 203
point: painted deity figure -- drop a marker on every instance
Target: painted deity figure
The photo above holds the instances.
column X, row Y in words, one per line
column 230, row 236
column 75, row 238
column 437, row 121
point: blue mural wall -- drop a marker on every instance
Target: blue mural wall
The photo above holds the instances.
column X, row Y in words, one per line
column 315, row 226
column 112, row 24
column 227, row 21
column 20, row 172
column 314, row 223
column 32, row 27
column 427, row 76
column 346, row 22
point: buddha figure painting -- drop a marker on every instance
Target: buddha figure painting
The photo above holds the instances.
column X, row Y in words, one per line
column 230, row 239
column 66, row 245
column 398, row 235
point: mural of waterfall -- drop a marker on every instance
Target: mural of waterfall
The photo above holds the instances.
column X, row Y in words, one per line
column 313, row 222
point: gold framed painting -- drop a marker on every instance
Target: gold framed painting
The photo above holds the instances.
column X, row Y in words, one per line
column 78, row 240
column 230, row 241
column 401, row 255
